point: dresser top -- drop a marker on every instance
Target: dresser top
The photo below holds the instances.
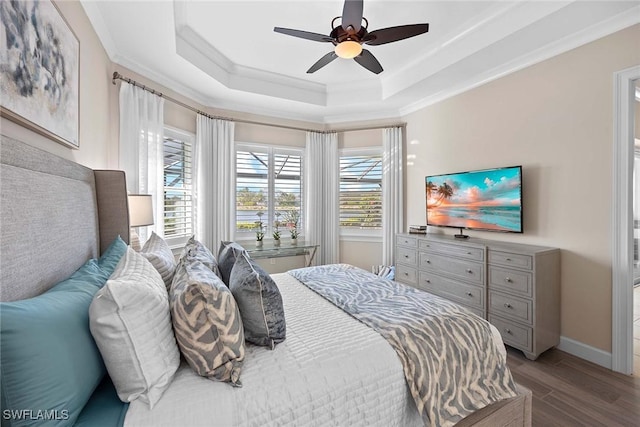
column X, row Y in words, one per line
column 476, row 242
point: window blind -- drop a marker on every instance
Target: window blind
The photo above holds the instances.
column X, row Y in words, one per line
column 268, row 181
column 178, row 202
column 361, row 191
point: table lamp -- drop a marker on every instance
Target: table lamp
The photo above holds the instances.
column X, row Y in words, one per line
column 140, row 215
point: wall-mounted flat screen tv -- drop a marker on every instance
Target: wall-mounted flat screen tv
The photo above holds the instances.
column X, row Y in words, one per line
column 489, row 200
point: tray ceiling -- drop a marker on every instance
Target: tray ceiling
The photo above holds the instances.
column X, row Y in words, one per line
column 225, row 54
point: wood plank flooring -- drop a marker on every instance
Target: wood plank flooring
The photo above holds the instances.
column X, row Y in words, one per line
column 569, row 391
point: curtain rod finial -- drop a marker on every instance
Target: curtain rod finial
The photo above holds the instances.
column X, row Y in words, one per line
column 116, row 76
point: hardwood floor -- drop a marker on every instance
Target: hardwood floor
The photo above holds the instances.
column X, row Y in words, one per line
column 569, row 391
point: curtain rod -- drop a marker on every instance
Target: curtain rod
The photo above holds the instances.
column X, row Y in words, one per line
column 118, row 76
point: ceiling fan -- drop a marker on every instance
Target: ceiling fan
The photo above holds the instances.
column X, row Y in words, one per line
column 349, row 37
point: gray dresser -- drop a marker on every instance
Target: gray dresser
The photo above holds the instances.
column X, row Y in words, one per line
column 515, row 286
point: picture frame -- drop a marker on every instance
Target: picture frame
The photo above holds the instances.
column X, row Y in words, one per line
column 40, row 70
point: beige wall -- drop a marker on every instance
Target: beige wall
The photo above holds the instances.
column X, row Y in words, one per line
column 555, row 119
column 95, row 132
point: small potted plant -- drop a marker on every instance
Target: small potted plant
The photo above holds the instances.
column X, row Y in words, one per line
column 259, row 230
column 293, row 217
column 276, row 230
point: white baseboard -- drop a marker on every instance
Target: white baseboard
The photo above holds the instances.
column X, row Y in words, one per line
column 586, row 352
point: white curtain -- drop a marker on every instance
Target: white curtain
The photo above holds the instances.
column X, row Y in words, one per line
column 392, row 192
column 215, row 182
column 322, row 197
column 141, row 153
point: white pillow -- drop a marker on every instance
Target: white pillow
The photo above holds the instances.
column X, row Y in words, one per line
column 159, row 254
column 131, row 324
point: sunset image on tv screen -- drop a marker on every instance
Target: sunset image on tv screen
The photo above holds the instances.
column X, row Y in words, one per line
column 488, row 199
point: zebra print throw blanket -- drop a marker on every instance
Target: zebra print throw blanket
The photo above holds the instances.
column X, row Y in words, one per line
column 449, row 357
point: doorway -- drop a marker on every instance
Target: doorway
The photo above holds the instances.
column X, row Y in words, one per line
column 636, row 232
column 622, row 339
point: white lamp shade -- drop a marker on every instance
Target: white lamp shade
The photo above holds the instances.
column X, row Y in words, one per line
column 140, row 210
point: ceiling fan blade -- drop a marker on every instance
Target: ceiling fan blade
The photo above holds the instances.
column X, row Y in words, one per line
column 352, row 14
column 303, row 34
column 368, row 61
column 393, row 34
column 322, row 62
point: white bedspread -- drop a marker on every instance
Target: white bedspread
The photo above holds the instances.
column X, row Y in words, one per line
column 331, row 370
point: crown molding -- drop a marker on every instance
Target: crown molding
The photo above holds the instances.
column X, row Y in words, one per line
column 602, row 29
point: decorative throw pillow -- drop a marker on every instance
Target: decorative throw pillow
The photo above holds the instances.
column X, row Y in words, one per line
column 227, row 255
column 49, row 359
column 131, row 324
column 196, row 251
column 260, row 303
column 159, row 254
column 206, row 322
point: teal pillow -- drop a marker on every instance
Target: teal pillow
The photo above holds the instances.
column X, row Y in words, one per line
column 49, row 361
column 111, row 257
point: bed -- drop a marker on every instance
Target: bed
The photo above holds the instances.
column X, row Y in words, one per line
column 56, row 215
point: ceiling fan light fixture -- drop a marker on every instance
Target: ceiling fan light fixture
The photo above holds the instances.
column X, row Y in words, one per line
column 348, row 49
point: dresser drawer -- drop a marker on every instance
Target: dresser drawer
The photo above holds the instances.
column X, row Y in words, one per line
column 406, row 256
column 466, row 270
column 410, row 242
column 509, row 259
column 511, row 307
column 470, row 295
column 512, row 334
column 476, row 254
column 512, row 281
column 406, row 275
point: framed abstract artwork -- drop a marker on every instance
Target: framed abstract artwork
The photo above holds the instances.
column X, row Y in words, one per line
column 40, row 70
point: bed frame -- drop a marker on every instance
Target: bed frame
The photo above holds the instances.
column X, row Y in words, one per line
column 56, row 214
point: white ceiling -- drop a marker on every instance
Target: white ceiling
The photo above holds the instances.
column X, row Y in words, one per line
column 225, row 54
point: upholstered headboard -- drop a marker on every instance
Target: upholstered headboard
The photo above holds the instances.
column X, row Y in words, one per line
column 54, row 215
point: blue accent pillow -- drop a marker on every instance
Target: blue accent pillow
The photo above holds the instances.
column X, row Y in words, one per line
column 259, row 301
column 49, row 360
column 227, row 256
column 111, row 257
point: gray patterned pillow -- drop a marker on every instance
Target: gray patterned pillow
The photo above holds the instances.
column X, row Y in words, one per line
column 260, row 303
column 196, row 251
column 159, row 254
column 206, row 322
column 227, row 255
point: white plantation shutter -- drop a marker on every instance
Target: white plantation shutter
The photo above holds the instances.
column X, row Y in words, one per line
column 268, row 180
column 361, row 191
column 178, row 186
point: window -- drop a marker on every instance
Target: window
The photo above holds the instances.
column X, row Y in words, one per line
column 178, row 201
column 361, row 190
column 268, row 180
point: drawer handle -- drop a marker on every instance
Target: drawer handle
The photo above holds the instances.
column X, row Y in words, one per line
column 470, row 271
column 468, row 253
column 427, row 281
column 406, row 274
column 469, row 294
column 508, row 331
column 406, row 256
column 508, row 259
column 428, row 261
column 508, row 279
column 507, row 305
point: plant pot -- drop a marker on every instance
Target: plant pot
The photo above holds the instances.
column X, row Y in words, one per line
column 276, row 242
column 294, row 241
column 258, row 243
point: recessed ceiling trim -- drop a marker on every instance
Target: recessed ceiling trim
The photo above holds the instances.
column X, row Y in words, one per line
column 494, row 26
column 194, row 48
column 616, row 23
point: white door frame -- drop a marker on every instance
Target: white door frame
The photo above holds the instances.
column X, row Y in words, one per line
column 622, row 220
